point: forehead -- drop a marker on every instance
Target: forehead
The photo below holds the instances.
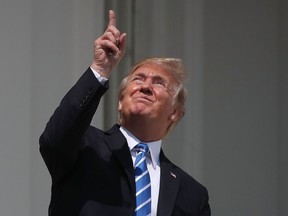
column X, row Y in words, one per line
column 153, row 70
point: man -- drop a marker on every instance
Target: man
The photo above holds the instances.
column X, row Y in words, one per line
column 122, row 171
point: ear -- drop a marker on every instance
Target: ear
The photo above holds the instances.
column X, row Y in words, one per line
column 176, row 115
column 120, row 99
column 119, row 105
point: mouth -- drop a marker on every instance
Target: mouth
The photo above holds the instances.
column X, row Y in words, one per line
column 144, row 99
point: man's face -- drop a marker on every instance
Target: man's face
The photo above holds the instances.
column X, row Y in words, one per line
column 149, row 93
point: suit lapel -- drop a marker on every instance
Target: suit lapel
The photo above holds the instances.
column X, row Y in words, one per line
column 169, row 184
column 169, row 180
column 118, row 145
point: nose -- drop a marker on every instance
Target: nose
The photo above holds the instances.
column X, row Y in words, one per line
column 146, row 88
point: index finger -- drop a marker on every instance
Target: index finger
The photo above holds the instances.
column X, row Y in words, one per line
column 112, row 18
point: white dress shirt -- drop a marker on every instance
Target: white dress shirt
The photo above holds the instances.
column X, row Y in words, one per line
column 153, row 165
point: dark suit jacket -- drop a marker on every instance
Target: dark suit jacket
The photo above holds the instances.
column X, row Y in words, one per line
column 92, row 171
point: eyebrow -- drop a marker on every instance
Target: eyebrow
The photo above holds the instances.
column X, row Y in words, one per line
column 154, row 77
column 138, row 74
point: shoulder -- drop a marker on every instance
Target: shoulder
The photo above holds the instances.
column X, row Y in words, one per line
column 96, row 135
column 192, row 196
column 186, row 180
column 190, row 183
column 114, row 130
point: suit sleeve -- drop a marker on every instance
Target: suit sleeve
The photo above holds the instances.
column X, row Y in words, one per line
column 60, row 143
column 205, row 207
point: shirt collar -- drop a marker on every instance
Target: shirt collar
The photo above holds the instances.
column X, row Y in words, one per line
column 154, row 147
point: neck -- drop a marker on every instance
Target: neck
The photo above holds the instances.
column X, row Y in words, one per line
column 145, row 130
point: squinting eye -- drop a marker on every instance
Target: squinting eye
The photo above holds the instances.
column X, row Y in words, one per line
column 160, row 83
column 137, row 79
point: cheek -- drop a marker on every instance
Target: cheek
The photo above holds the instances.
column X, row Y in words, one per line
column 165, row 98
column 124, row 101
column 168, row 103
column 129, row 91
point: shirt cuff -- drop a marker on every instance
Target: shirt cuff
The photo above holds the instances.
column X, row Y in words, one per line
column 102, row 80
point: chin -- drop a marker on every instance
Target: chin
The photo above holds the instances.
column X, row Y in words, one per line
column 140, row 113
column 140, row 108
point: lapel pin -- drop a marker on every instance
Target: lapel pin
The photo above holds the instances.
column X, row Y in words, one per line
column 172, row 174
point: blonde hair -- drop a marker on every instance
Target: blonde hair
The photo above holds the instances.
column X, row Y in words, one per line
column 176, row 68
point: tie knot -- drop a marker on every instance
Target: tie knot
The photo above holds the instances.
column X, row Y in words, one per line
column 142, row 147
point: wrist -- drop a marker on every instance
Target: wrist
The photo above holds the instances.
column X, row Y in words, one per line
column 103, row 72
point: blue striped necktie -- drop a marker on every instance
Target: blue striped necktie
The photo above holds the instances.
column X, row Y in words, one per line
column 142, row 180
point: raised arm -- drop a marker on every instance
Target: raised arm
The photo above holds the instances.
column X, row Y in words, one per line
column 61, row 140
